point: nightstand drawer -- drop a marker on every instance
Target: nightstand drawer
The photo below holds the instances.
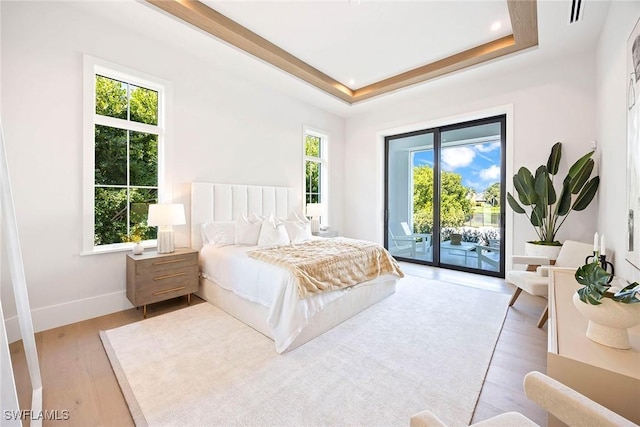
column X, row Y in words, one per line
column 161, row 265
column 158, row 288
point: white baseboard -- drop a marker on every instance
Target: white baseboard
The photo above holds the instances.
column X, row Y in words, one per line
column 70, row 312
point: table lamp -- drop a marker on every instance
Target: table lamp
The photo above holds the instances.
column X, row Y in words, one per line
column 314, row 210
column 164, row 216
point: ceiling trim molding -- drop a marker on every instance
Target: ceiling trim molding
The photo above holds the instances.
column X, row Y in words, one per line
column 524, row 23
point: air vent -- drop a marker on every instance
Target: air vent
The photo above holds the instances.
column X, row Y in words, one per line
column 575, row 13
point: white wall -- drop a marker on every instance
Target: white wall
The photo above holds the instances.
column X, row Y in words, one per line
column 227, row 127
column 612, row 81
column 551, row 102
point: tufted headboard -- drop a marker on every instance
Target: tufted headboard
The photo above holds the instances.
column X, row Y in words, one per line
column 227, row 202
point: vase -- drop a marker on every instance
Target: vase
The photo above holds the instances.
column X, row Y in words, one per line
column 138, row 248
column 609, row 321
column 547, row 251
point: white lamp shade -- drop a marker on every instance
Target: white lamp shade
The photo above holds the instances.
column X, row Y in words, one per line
column 166, row 214
column 315, row 209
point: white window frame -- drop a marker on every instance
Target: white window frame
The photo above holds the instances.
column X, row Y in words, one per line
column 324, row 169
column 91, row 67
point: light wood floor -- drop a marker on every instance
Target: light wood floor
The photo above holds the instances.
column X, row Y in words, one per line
column 77, row 376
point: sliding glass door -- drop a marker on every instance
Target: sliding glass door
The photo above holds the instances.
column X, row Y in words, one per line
column 445, row 196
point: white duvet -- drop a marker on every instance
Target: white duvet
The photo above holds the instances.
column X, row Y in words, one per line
column 266, row 284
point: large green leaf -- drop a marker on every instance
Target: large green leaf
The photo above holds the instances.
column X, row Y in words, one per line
column 582, row 175
column 538, row 214
column 586, row 195
column 525, row 186
column 595, row 281
column 628, row 294
column 564, row 205
column 544, row 187
column 579, row 164
column 554, row 158
column 514, row 204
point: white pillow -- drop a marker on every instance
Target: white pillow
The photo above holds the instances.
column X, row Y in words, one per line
column 254, row 217
column 219, row 233
column 297, row 215
column 273, row 233
column 247, row 232
column 298, row 231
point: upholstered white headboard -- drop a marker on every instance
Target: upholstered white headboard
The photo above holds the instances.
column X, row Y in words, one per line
column 227, row 202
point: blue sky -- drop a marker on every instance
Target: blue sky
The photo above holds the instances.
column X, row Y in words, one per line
column 479, row 164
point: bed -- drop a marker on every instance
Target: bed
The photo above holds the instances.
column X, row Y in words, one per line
column 262, row 295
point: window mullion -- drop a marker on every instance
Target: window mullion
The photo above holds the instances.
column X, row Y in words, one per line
column 124, row 124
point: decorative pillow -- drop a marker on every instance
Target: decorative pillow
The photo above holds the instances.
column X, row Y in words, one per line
column 300, row 217
column 254, row 217
column 219, row 233
column 298, row 231
column 273, row 233
column 247, row 232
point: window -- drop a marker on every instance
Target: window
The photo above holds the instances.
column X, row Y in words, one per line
column 315, row 168
column 124, row 134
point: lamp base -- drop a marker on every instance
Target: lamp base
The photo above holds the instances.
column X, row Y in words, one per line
column 165, row 240
column 315, row 226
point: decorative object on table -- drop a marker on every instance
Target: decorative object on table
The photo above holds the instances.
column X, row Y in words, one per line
column 135, row 236
column 315, row 211
column 599, row 255
column 456, row 238
column 610, row 314
column 164, row 216
column 548, row 208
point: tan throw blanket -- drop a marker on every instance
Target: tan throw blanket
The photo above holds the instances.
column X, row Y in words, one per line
column 327, row 264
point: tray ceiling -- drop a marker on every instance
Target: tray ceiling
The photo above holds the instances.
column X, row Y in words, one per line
column 358, row 50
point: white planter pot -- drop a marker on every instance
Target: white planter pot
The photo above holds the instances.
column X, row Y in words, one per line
column 609, row 321
column 550, row 252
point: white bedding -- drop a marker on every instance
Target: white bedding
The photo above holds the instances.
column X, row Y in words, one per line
column 267, row 285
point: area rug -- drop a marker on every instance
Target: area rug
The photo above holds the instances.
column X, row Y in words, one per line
column 428, row 346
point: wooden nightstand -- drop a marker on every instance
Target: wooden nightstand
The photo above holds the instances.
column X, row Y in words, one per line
column 154, row 277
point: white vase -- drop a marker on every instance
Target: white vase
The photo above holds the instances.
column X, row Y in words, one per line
column 609, row 321
column 547, row 251
column 138, row 248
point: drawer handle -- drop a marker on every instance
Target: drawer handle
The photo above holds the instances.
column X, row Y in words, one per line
column 166, row 291
column 171, row 261
column 168, row 276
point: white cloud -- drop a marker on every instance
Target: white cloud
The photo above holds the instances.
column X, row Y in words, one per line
column 457, row 157
column 492, row 173
column 485, row 148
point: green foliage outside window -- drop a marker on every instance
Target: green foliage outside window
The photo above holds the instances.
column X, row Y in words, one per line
column 313, row 170
column 126, row 163
column 492, row 194
column 455, row 206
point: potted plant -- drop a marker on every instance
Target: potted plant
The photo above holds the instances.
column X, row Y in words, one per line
column 547, row 207
column 610, row 314
column 135, row 236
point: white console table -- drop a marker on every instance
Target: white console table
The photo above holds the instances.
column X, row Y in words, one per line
column 609, row 376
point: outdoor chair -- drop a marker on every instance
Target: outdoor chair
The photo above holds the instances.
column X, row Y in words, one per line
column 410, row 243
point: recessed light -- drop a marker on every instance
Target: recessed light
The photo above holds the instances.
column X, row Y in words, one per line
column 352, row 82
column 496, row 26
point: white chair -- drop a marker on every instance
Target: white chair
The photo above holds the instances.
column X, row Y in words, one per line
column 423, row 238
column 535, row 280
column 564, row 403
column 488, row 255
column 411, row 243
